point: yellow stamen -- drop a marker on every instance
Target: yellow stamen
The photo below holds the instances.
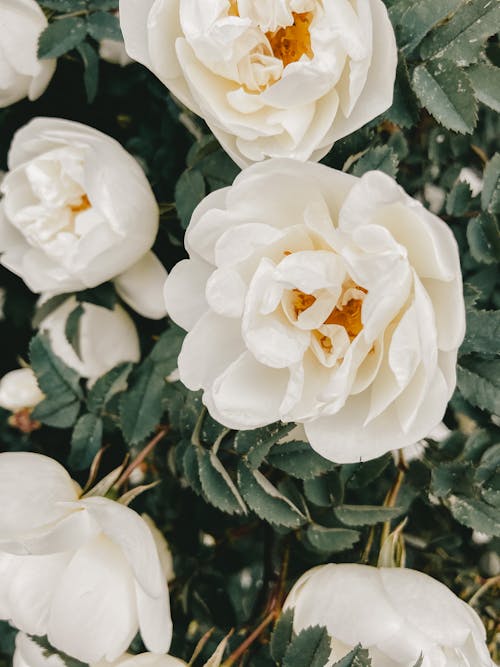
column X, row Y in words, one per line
column 302, row 301
column 349, row 317
column 82, row 206
column 290, row 43
column 324, row 341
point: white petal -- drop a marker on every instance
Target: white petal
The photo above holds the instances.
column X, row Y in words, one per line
column 131, row 533
column 94, row 613
column 208, row 349
column 184, row 292
column 248, row 394
column 141, row 286
column 32, row 488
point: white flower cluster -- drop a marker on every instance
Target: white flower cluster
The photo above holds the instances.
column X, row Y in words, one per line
column 309, row 296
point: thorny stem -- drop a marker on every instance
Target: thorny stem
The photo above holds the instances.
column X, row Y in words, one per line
column 240, row 651
column 141, row 456
column 493, row 581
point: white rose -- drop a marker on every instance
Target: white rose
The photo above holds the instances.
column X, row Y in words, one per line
column 84, row 571
column 21, row 73
column 272, row 78
column 78, row 211
column 19, row 389
column 397, row 614
column 29, row 654
column 316, row 297
column 106, row 338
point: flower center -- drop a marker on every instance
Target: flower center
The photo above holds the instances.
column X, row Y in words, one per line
column 324, row 341
column 290, row 43
column 349, row 317
column 82, row 206
column 302, row 301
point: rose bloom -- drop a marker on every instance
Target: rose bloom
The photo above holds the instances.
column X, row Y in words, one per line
column 272, row 78
column 316, row 297
column 29, row 654
column 19, row 390
column 105, row 338
column 78, row 211
column 86, row 572
column 396, row 613
column 21, row 73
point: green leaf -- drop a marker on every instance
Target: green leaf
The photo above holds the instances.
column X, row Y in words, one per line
column 142, row 406
column 72, row 329
column 85, row 441
column 490, row 195
column 265, row 499
column 59, row 383
column 483, row 236
column 103, row 5
column 458, row 200
column 282, row 635
column 189, row 191
column 191, row 467
column 462, row 37
column 454, row 477
column 420, row 661
column 485, row 79
column 331, row 539
column 103, row 390
column 362, row 474
column 446, row 92
column 52, row 375
column 358, row 657
column 365, row 515
column 104, row 295
column 475, row 514
column 298, row 459
column 90, row 60
column 482, row 332
column 102, row 25
column 63, row 6
column 420, row 17
column 311, row 648
column 217, row 485
column 257, row 443
column 480, row 384
column 324, row 491
column 382, row 158
column 61, row 36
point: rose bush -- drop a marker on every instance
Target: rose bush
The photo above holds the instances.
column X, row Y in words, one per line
column 277, row 78
column 105, row 338
column 339, row 306
column 77, row 211
column 85, row 571
column 396, row 613
column 21, row 73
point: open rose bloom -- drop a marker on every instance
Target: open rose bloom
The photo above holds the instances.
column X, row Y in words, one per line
column 272, row 78
column 78, row 211
column 397, row 614
column 317, row 297
column 86, row 572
